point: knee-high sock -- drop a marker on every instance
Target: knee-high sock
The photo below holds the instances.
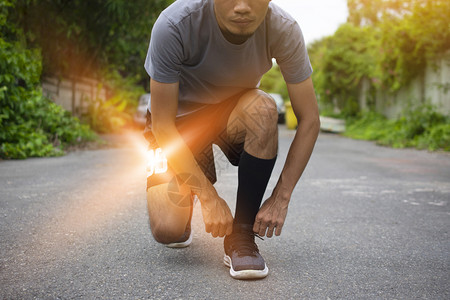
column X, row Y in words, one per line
column 253, row 177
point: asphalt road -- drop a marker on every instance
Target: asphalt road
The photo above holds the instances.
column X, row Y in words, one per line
column 365, row 222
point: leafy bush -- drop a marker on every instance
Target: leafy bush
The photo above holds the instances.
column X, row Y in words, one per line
column 387, row 42
column 30, row 124
column 115, row 113
column 421, row 127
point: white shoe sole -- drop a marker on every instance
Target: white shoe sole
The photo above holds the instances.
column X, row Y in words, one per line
column 245, row 274
column 181, row 244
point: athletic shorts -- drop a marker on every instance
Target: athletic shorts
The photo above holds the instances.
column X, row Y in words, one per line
column 200, row 130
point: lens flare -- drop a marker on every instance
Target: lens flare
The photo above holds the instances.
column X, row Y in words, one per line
column 156, row 162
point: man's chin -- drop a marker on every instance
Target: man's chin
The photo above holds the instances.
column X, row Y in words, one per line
column 241, row 35
column 237, row 36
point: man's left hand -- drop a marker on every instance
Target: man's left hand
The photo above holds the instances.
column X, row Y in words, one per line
column 271, row 217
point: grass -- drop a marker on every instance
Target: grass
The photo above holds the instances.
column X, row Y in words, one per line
column 422, row 128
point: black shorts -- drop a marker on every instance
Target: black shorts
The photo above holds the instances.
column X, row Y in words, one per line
column 200, row 130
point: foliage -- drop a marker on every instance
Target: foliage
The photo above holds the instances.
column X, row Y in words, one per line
column 30, row 125
column 372, row 12
column 102, row 39
column 340, row 63
column 114, row 114
column 389, row 42
column 407, row 44
column 85, row 38
column 421, row 127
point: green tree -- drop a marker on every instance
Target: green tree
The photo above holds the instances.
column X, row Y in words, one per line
column 340, row 62
column 102, row 39
column 389, row 42
column 87, row 38
column 372, row 12
column 411, row 42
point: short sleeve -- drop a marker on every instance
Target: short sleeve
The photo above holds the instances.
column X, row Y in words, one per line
column 292, row 56
column 165, row 52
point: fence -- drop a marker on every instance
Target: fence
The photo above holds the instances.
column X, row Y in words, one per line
column 72, row 93
column 433, row 86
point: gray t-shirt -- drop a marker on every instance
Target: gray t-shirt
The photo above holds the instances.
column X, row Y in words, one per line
column 187, row 46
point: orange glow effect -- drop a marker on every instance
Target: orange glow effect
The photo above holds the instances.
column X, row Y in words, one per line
column 156, row 162
column 155, row 159
column 107, row 193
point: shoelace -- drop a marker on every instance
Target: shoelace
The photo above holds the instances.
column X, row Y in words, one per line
column 244, row 243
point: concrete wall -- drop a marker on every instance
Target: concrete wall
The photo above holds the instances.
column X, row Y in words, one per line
column 72, row 94
column 433, row 87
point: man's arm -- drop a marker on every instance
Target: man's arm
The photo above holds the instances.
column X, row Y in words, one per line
column 272, row 213
column 216, row 213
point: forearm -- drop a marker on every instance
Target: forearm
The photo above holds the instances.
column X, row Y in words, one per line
column 216, row 213
column 272, row 213
column 297, row 158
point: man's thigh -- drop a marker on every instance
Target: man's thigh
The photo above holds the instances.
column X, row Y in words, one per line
column 200, row 130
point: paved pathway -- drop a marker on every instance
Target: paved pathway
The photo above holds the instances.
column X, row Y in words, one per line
column 365, row 222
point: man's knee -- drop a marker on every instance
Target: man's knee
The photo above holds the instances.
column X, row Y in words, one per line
column 261, row 110
column 168, row 218
column 267, row 108
column 166, row 233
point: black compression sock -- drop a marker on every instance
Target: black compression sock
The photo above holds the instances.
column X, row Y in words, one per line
column 254, row 174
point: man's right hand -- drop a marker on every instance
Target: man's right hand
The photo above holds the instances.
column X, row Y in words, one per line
column 216, row 214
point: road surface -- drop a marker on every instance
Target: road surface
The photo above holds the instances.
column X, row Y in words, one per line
column 365, row 222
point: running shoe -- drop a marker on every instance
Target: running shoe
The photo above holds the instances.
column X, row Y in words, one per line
column 242, row 255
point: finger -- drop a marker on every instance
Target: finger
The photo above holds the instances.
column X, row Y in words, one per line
column 262, row 229
column 229, row 229
column 215, row 230
column 222, row 230
column 278, row 231
column 228, row 225
column 208, row 228
column 256, row 225
column 270, row 231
